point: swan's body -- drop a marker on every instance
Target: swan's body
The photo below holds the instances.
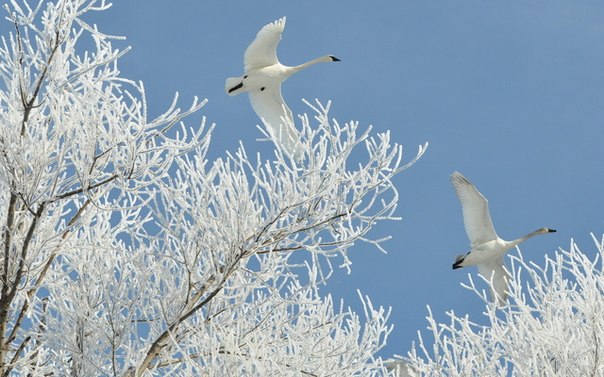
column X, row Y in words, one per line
column 486, row 248
column 262, row 80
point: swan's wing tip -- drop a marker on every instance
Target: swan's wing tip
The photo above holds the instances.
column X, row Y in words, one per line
column 278, row 23
column 458, row 178
column 262, row 52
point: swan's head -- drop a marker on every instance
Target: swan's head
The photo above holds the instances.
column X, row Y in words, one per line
column 333, row 58
column 547, row 230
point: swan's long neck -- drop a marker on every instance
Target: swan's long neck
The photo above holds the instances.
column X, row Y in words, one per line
column 520, row 240
column 300, row 67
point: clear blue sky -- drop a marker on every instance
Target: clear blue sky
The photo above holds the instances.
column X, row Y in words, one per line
column 510, row 93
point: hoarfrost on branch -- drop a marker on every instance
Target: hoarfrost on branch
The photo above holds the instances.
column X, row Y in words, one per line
column 126, row 251
column 552, row 326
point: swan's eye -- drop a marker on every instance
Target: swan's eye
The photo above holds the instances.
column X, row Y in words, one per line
column 245, row 77
column 262, row 89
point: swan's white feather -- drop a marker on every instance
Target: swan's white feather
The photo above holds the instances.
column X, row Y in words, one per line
column 487, row 249
column 399, row 367
column 262, row 80
column 475, row 208
column 277, row 117
column 493, row 269
column 262, row 52
column 231, row 82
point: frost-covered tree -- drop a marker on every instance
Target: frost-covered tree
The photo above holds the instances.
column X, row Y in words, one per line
column 553, row 324
column 125, row 251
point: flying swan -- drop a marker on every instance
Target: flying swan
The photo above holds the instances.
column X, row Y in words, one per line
column 486, row 248
column 262, row 80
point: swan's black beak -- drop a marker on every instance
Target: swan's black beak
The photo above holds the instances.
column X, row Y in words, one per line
column 240, row 85
column 551, row 230
column 333, row 58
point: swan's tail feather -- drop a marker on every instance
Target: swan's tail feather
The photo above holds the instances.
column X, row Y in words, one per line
column 458, row 261
column 233, row 86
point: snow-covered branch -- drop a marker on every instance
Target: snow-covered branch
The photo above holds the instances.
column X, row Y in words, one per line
column 125, row 251
column 551, row 327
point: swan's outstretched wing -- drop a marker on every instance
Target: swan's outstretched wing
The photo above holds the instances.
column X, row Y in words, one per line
column 270, row 107
column 401, row 368
column 494, row 269
column 263, row 50
column 475, row 207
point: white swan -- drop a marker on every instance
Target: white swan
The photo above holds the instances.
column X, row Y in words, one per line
column 262, row 79
column 486, row 248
